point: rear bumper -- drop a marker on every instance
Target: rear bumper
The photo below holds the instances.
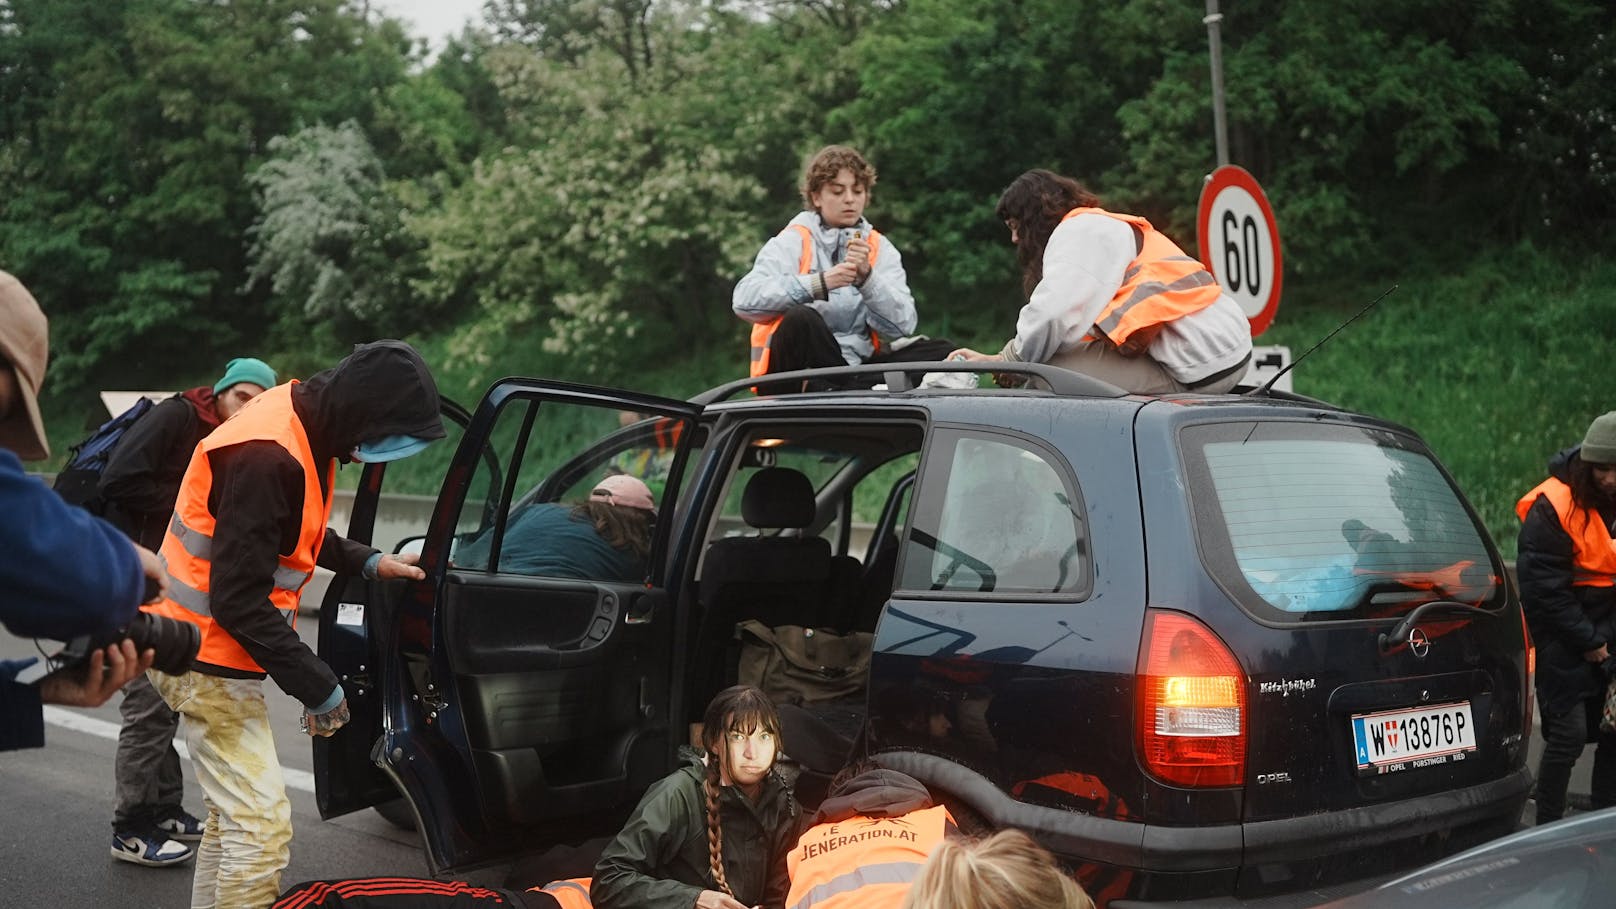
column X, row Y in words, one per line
column 1224, row 850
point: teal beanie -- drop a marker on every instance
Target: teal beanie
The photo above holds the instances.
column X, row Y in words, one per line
column 246, row 369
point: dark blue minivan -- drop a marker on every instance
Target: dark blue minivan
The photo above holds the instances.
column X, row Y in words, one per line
column 1200, row 647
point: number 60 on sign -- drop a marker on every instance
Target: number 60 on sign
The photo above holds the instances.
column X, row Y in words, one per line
column 1239, row 243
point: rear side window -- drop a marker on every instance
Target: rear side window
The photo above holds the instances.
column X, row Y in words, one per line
column 995, row 515
column 1333, row 522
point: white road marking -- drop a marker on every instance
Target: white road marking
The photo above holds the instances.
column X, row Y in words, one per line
column 301, row 780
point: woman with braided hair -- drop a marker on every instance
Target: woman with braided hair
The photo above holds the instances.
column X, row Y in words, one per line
column 714, row 834
column 711, row 835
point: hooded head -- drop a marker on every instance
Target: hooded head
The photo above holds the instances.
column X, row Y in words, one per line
column 24, row 349
column 865, row 788
column 378, row 393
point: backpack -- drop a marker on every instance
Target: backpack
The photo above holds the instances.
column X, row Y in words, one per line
column 79, row 480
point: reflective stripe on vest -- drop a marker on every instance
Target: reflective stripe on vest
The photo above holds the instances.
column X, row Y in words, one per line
column 863, row 862
column 1593, row 552
column 187, row 549
column 572, row 893
column 763, row 331
column 1160, row 285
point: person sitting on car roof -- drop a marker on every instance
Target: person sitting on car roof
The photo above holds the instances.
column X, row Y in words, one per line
column 1112, row 297
column 605, row 538
column 1567, row 572
column 830, row 290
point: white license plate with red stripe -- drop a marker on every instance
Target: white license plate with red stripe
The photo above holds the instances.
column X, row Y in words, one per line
column 1394, row 740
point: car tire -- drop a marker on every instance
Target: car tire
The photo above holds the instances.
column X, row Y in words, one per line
column 398, row 813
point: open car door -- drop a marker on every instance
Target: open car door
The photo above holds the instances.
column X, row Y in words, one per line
column 346, row 775
column 525, row 685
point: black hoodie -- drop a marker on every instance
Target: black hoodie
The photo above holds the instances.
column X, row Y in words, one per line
column 381, row 389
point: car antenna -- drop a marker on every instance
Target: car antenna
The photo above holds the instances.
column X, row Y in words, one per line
column 1264, row 388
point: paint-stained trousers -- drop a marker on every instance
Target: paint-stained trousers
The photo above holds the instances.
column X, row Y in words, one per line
column 247, row 840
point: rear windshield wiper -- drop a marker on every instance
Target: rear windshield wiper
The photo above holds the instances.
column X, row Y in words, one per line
column 1399, row 632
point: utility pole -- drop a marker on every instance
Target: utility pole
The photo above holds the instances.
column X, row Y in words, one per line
column 1220, row 124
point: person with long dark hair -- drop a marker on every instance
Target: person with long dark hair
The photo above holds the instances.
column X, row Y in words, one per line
column 1566, row 565
column 714, row 834
column 1110, row 296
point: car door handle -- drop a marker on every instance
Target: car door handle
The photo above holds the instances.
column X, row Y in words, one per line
column 643, row 606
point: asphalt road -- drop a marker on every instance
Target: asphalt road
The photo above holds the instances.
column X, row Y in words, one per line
column 56, row 812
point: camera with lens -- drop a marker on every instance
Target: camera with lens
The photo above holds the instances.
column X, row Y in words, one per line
column 174, row 642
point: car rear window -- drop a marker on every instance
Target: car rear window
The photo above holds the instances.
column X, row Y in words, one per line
column 1333, row 522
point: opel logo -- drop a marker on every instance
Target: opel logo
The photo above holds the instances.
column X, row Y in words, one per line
column 1418, row 643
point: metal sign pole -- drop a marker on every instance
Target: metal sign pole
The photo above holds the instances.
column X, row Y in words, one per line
column 1220, row 123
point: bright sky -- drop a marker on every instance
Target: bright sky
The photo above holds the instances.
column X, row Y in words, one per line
column 435, row 20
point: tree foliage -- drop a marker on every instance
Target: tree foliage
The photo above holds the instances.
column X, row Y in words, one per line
column 590, row 177
column 616, row 216
column 329, row 240
column 130, row 127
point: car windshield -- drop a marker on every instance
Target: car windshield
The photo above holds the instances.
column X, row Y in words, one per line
column 1330, row 522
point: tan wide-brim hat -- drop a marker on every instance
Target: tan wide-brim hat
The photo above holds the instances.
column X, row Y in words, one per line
column 25, row 345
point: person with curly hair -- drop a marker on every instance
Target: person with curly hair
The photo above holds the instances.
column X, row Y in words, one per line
column 1110, row 296
column 829, row 289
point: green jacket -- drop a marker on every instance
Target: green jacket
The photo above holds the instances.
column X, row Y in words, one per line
column 660, row 860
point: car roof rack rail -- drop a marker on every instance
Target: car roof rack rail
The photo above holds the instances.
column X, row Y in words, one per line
column 897, row 377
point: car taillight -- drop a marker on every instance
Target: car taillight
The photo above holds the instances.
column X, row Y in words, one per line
column 1531, row 679
column 1192, row 704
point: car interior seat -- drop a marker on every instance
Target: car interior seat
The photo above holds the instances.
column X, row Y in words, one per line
column 768, row 575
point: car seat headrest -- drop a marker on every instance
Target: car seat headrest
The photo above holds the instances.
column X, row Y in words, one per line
column 778, row 497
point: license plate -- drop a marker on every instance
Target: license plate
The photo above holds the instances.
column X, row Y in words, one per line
column 1393, row 740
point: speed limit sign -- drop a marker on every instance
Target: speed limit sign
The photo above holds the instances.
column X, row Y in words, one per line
column 1240, row 243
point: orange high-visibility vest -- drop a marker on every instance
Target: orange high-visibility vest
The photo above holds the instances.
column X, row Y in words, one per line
column 1593, row 552
column 1160, row 285
column 572, row 893
column 188, row 545
column 863, row 862
column 667, row 431
column 763, row 331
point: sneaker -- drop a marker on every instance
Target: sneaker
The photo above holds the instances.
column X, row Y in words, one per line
column 154, row 849
column 949, row 380
column 182, row 827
